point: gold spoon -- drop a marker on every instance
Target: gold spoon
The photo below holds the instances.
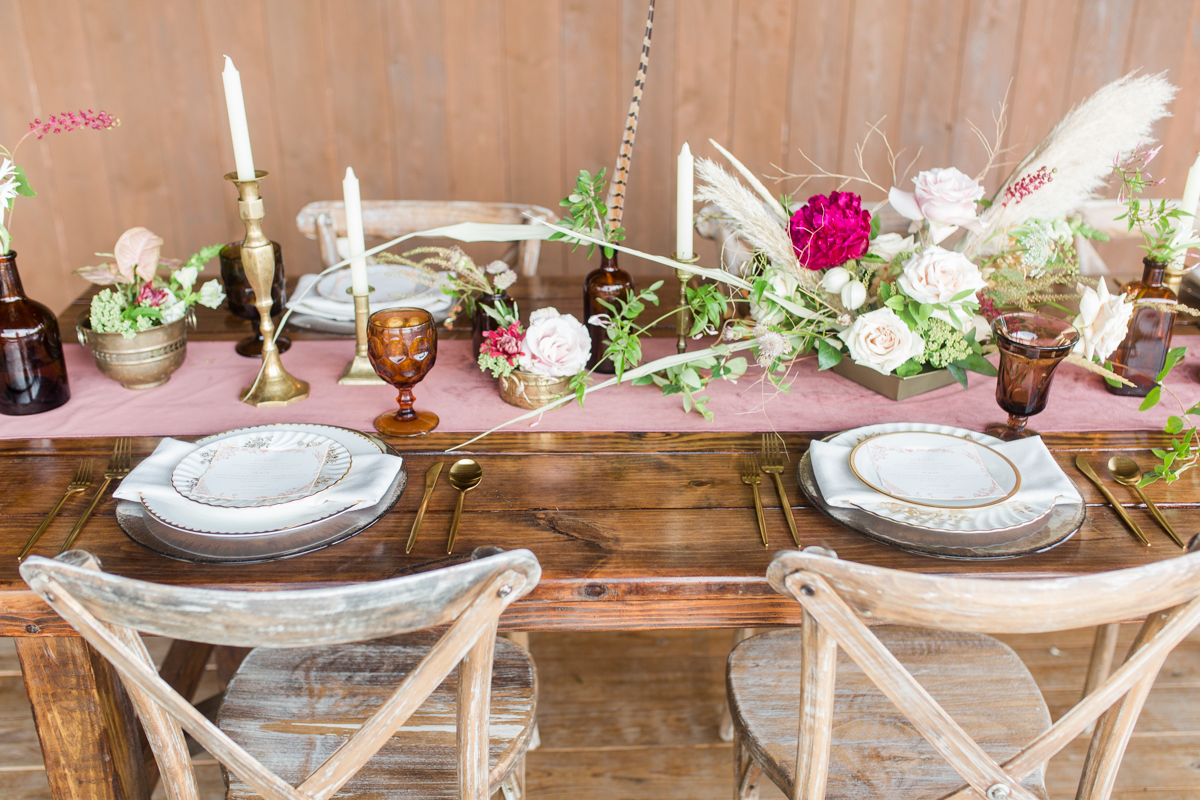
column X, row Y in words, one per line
column 465, row 475
column 1126, row 472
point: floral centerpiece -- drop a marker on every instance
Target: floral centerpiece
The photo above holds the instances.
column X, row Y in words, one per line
column 136, row 326
column 536, row 364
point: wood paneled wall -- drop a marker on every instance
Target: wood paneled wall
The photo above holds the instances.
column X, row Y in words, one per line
column 508, row 99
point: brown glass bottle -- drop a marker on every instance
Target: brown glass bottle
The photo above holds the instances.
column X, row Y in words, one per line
column 609, row 283
column 31, row 353
column 1144, row 352
column 481, row 321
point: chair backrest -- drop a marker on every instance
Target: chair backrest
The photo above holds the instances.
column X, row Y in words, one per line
column 109, row 611
column 837, row 595
column 325, row 221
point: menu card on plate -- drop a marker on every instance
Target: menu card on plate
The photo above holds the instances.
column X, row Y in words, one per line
column 947, row 472
column 242, row 473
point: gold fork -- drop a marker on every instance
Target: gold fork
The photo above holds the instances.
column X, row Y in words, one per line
column 750, row 478
column 81, row 481
column 772, row 456
column 118, row 468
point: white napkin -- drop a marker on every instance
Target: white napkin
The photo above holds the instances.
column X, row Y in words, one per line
column 364, row 485
column 315, row 305
column 1042, row 482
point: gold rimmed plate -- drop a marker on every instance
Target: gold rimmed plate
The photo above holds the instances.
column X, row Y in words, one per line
column 963, row 474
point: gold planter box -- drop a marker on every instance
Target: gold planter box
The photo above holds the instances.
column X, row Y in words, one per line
column 893, row 386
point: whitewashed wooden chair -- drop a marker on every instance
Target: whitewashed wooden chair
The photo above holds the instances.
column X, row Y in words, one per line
column 312, row 711
column 325, row 221
column 939, row 710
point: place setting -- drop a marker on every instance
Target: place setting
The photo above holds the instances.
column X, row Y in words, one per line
column 259, row 493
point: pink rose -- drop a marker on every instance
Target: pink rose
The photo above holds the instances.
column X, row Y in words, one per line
column 556, row 344
column 830, row 230
column 945, row 197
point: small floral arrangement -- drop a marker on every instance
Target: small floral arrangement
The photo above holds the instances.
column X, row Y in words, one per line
column 554, row 345
column 467, row 281
column 12, row 177
column 142, row 298
column 1164, row 238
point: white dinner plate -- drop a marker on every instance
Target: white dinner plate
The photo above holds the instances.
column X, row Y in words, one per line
column 393, row 284
column 262, row 468
column 997, row 478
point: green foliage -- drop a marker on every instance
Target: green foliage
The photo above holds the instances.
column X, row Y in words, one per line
column 827, row 355
column 687, row 380
column 112, row 313
column 587, row 212
column 498, row 366
column 1184, row 453
column 624, row 348
column 944, row 344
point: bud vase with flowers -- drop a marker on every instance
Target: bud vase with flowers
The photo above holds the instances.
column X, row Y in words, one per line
column 136, row 326
column 535, row 365
column 32, row 366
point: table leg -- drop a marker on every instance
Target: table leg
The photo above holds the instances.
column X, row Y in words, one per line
column 84, row 720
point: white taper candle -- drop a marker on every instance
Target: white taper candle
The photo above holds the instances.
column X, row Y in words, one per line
column 683, row 204
column 242, row 156
column 354, row 232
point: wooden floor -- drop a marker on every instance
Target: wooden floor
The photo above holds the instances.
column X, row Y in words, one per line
column 635, row 715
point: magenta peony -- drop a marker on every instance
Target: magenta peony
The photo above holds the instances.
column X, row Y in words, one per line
column 505, row 343
column 830, row 230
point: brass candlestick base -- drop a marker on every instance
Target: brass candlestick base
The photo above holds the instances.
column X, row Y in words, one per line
column 359, row 371
column 274, row 386
column 681, row 322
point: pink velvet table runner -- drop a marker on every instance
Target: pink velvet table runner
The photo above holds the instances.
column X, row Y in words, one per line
column 201, row 398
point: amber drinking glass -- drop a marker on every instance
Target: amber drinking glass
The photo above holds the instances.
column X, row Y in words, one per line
column 241, row 297
column 402, row 347
column 1031, row 348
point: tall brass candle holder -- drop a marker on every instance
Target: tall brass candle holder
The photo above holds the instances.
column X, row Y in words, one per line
column 359, row 371
column 274, row 385
column 681, row 322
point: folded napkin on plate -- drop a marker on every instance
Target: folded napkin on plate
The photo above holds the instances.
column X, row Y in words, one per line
column 315, row 305
column 364, row 485
column 1041, row 479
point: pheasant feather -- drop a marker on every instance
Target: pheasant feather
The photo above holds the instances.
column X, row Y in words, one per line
column 616, row 189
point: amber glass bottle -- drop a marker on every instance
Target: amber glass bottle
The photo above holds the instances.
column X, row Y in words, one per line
column 31, row 353
column 609, row 283
column 1144, row 352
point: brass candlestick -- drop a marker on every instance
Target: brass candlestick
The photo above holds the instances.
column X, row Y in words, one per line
column 274, row 386
column 359, row 371
column 681, row 322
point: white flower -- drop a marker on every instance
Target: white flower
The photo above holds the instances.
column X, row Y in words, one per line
column 211, row 294
column 1103, row 321
column 771, row 345
column 496, row 267
column 172, row 308
column 940, row 276
column 889, row 245
column 555, row 344
column 504, row 279
column 8, row 182
column 945, row 197
column 880, row 340
column 600, row 320
column 835, row 278
column 854, row 294
column 186, row 276
column 782, row 284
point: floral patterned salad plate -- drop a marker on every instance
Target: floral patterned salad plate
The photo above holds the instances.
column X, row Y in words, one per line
column 261, row 468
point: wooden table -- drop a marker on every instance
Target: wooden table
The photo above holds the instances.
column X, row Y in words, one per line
column 633, row 530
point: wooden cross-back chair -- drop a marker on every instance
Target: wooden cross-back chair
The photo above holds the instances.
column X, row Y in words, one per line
column 939, row 710
column 302, row 636
column 325, row 221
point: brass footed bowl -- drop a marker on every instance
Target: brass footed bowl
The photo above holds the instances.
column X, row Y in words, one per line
column 528, row 390
column 143, row 362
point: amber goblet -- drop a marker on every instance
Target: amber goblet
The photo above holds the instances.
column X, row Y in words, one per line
column 240, row 298
column 1031, row 348
column 402, row 347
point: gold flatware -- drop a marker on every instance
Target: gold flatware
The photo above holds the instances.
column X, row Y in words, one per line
column 1126, row 472
column 750, row 478
column 465, row 475
column 431, row 479
column 1086, row 469
column 772, row 464
column 118, row 468
column 81, row 481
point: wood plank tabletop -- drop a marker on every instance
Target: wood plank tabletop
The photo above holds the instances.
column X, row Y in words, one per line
column 632, row 530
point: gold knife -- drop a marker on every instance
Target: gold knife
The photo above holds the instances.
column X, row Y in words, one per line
column 431, row 479
column 1086, row 469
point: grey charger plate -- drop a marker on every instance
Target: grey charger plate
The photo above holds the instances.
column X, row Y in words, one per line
column 1035, row 537
column 225, row 548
